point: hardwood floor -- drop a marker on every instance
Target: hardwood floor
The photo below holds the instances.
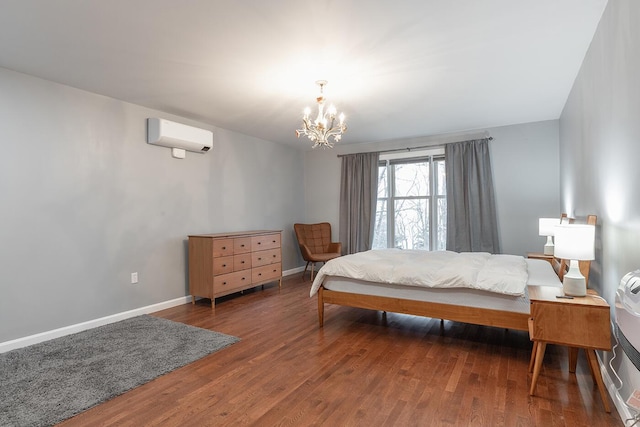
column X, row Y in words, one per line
column 364, row 368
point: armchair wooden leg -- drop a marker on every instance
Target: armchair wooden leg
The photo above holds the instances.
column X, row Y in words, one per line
column 305, row 270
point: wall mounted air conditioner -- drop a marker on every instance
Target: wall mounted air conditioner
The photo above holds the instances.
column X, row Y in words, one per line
column 628, row 316
column 627, row 327
column 178, row 137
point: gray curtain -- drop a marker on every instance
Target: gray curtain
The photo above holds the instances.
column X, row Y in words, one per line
column 358, row 196
column 471, row 210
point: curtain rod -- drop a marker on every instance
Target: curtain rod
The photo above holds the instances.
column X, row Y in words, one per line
column 396, row 150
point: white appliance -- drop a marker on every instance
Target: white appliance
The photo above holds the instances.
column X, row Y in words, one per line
column 178, row 137
column 628, row 316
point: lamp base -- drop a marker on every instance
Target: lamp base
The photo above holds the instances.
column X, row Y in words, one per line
column 574, row 283
column 548, row 247
column 574, row 286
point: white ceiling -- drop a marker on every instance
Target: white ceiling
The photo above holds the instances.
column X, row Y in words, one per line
column 397, row 69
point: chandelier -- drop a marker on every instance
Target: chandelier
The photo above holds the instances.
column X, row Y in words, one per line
column 324, row 126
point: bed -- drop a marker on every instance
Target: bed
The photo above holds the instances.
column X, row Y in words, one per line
column 370, row 280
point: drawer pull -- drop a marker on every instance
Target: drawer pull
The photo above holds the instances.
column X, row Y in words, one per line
column 224, row 265
column 242, row 246
column 259, row 259
column 243, row 278
column 241, row 262
column 273, row 241
column 224, row 248
column 224, row 283
column 259, row 243
column 259, row 274
column 274, row 256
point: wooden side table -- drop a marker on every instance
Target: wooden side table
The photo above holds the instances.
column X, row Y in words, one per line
column 580, row 322
column 540, row 255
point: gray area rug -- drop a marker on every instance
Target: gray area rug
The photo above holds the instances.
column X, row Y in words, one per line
column 49, row 382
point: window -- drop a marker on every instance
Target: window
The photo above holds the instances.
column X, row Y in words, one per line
column 411, row 211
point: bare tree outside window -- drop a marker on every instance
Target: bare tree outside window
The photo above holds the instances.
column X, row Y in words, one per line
column 411, row 203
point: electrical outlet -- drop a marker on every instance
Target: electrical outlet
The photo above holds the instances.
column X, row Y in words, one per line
column 134, row 277
column 634, row 400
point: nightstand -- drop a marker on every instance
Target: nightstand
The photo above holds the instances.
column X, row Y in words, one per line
column 540, row 255
column 581, row 322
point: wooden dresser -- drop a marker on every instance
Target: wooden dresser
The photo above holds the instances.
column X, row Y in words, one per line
column 224, row 263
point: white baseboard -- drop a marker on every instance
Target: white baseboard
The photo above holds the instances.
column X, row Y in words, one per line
column 618, row 401
column 293, row 271
column 72, row 329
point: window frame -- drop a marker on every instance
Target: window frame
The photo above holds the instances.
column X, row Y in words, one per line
column 432, row 197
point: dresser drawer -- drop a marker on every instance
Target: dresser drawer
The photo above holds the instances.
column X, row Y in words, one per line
column 222, row 247
column 228, row 283
column 223, row 265
column 241, row 262
column 268, row 241
column 265, row 257
column 242, row 245
column 266, row 272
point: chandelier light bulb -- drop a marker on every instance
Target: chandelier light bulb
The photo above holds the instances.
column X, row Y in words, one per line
column 324, row 126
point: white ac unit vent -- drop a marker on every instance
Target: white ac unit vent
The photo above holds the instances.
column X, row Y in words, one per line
column 178, row 137
column 628, row 316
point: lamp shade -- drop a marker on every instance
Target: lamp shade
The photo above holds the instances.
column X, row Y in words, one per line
column 546, row 226
column 575, row 241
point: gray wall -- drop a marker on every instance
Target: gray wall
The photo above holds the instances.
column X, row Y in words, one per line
column 599, row 151
column 525, row 169
column 85, row 202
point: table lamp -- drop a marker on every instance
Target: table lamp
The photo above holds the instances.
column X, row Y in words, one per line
column 574, row 242
column 546, row 227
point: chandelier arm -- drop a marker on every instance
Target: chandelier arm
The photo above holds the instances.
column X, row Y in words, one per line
column 323, row 127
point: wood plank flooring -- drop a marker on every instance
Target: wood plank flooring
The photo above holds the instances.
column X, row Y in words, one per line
column 364, row 368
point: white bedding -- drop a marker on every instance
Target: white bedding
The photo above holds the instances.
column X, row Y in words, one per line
column 539, row 271
column 503, row 274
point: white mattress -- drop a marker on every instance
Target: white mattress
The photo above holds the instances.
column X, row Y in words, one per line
column 540, row 273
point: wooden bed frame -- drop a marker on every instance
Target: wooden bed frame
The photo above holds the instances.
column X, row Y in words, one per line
column 457, row 313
